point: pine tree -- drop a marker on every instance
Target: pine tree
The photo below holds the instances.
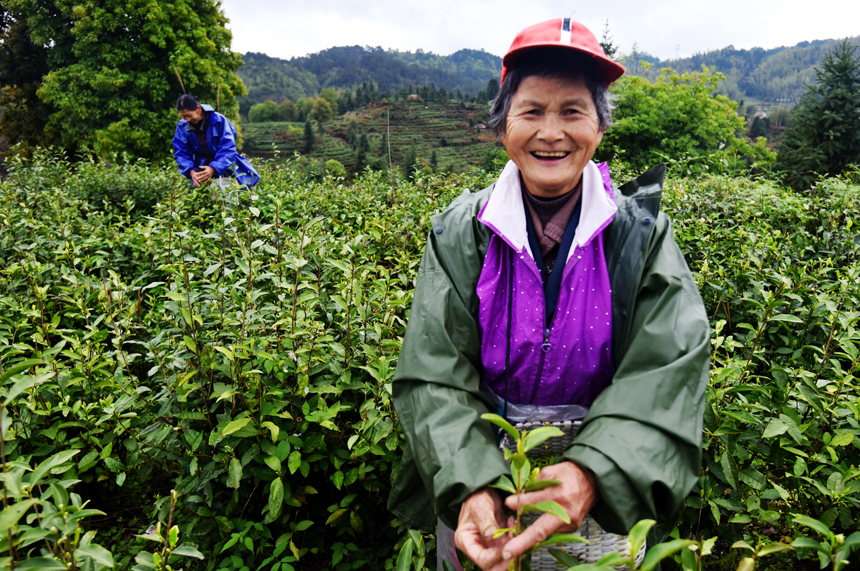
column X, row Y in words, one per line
column 824, row 135
column 434, row 162
column 310, row 139
column 609, row 48
column 383, row 145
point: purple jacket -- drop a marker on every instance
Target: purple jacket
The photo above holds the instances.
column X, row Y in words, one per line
column 570, row 362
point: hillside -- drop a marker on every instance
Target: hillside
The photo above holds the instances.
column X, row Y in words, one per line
column 347, row 67
column 768, row 76
column 430, row 126
column 777, row 75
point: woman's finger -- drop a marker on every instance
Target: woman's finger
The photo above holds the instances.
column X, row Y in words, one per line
column 545, row 526
column 470, row 542
column 554, row 493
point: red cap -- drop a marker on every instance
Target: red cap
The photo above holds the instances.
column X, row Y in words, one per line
column 564, row 33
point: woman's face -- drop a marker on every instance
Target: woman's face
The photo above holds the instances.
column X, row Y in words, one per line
column 551, row 133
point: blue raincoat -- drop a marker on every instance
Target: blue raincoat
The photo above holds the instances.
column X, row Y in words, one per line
column 221, row 140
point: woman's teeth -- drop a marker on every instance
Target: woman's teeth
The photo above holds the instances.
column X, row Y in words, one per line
column 550, row 155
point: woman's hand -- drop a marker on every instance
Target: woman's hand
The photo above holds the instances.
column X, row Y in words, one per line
column 577, row 494
column 199, row 178
column 480, row 516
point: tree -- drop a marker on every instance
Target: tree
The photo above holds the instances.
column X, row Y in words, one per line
column 262, row 112
column 321, row 111
column 434, row 161
column 310, row 138
column 676, row 118
column 330, row 94
column 609, row 48
column 114, row 68
column 352, row 133
column 23, row 115
column 410, row 161
column 492, row 89
column 360, row 159
column 287, row 111
column 383, row 145
column 824, row 134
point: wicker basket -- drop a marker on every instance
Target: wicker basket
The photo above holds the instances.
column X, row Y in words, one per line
column 600, row 542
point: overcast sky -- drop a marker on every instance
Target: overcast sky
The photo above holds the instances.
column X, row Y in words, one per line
column 664, row 28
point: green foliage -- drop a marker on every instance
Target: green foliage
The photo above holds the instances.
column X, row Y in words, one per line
column 57, row 540
column 309, row 138
column 824, row 136
column 771, row 75
column 266, row 111
column 677, row 119
column 22, row 66
column 243, row 355
column 170, row 546
column 112, row 79
column 523, row 479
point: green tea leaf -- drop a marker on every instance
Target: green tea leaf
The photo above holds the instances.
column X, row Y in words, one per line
column 504, row 483
column 549, row 507
column 503, row 424
column 404, row 558
column 274, row 463
column 235, row 425
column 637, row 535
column 540, row 435
column 95, row 552
column 11, row 515
column 538, row 485
column 812, row 524
column 24, row 384
column 276, row 499
column 187, row 550
column 662, row 551
column 295, row 461
column 234, row 473
column 17, row 368
column 773, row 548
column 558, row 538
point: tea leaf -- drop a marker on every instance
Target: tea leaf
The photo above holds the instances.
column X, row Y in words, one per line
column 503, row 424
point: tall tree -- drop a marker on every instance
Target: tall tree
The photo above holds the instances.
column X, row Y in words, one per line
column 310, row 138
column 114, row 68
column 609, row 48
column 824, row 134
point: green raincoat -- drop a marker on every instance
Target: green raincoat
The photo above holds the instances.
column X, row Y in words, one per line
column 642, row 435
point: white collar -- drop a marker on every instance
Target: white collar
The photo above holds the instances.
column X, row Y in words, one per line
column 505, row 214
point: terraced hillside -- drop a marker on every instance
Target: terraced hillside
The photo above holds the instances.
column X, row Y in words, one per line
column 430, row 126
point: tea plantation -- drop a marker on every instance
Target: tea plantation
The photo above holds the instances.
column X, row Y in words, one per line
column 155, row 337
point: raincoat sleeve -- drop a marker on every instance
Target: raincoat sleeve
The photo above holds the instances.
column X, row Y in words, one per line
column 225, row 135
column 181, row 153
column 642, row 436
column 436, row 389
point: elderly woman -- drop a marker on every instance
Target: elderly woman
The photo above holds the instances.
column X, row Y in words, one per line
column 551, row 295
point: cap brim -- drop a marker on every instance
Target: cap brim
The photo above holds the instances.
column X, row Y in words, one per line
column 611, row 69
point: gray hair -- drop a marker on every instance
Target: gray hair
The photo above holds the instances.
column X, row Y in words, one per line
column 555, row 64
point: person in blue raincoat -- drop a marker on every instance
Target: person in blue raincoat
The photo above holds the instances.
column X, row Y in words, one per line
column 204, row 146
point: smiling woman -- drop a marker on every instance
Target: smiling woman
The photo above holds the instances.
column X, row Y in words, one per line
column 551, row 297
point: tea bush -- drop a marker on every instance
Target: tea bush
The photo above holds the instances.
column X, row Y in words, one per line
column 242, row 354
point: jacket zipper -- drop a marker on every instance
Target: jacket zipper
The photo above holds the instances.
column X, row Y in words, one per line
column 545, row 348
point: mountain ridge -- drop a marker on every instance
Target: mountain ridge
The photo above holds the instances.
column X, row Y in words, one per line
column 772, row 76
